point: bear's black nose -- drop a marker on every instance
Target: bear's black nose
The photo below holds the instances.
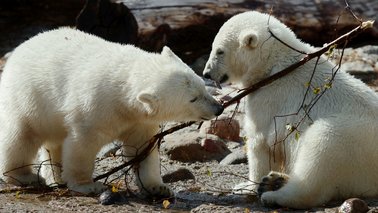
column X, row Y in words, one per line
column 219, row 110
column 207, row 75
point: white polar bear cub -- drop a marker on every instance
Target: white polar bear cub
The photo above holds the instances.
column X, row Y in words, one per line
column 71, row 93
column 335, row 156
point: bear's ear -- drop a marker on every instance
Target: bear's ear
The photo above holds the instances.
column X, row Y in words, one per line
column 150, row 102
column 248, row 39
column 169, row 53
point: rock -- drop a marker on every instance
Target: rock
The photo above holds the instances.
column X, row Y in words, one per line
column 236, row 157
column 108, row 197
column 194, row 23
column 211, row 145
column 225, row 128
column 353, row 205
column 111, row 21
column 180, row 174
column 194, row 146
column 156, row 40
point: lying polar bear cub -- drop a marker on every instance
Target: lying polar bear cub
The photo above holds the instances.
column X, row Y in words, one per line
column 336, row 153
column 71, row 93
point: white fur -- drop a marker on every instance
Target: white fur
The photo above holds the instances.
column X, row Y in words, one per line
column 336, row 154
column 71, row 93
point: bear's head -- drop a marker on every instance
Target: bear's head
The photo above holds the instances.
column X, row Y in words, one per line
column 245, row 51
column 177, row 94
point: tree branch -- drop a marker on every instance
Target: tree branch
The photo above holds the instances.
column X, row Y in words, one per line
column 342, row 39
column 158, row 137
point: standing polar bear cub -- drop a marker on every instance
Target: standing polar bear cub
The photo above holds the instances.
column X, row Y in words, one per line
column 335, row 155
column 71, row 93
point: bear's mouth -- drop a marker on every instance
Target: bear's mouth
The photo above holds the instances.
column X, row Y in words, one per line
column 224, row 78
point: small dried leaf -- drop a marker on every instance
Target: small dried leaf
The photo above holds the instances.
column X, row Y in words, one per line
column 166, row 204
column 367, row 24
column 114, row 189
column 331, row 50
column 244, row 139
column 246, row 210
column 328, row 85
column 297, row 135
column 18, row 194
column 209, row 173
column 316, row 90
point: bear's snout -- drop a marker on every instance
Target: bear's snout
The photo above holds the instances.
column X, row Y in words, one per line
column 207, row 75
column 216, row 78
column 219, row 109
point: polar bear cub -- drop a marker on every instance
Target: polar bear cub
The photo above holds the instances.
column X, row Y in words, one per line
column 71, row 93
column 331, row 152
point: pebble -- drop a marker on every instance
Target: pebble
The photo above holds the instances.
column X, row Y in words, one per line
column 353, row 205
column 108, row 197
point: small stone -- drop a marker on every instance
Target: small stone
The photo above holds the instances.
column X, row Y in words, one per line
column 353, row 205
column 180, row 174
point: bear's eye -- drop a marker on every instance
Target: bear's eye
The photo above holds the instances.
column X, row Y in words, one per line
column 220, row 52
column 193, row 100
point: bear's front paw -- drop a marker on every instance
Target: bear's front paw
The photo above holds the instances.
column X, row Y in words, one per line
column 88, row 188
column 158, row 192
column 272, row 182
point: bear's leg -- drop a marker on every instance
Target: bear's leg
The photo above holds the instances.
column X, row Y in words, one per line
column 78, row 159
column 148, row 172
column 317, row 173
column 18, row 149
column 258, row 165
column 149, row 177
column 51, row 159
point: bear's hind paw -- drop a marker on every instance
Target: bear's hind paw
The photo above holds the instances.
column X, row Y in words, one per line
column 272, row 182
column 159, row 193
